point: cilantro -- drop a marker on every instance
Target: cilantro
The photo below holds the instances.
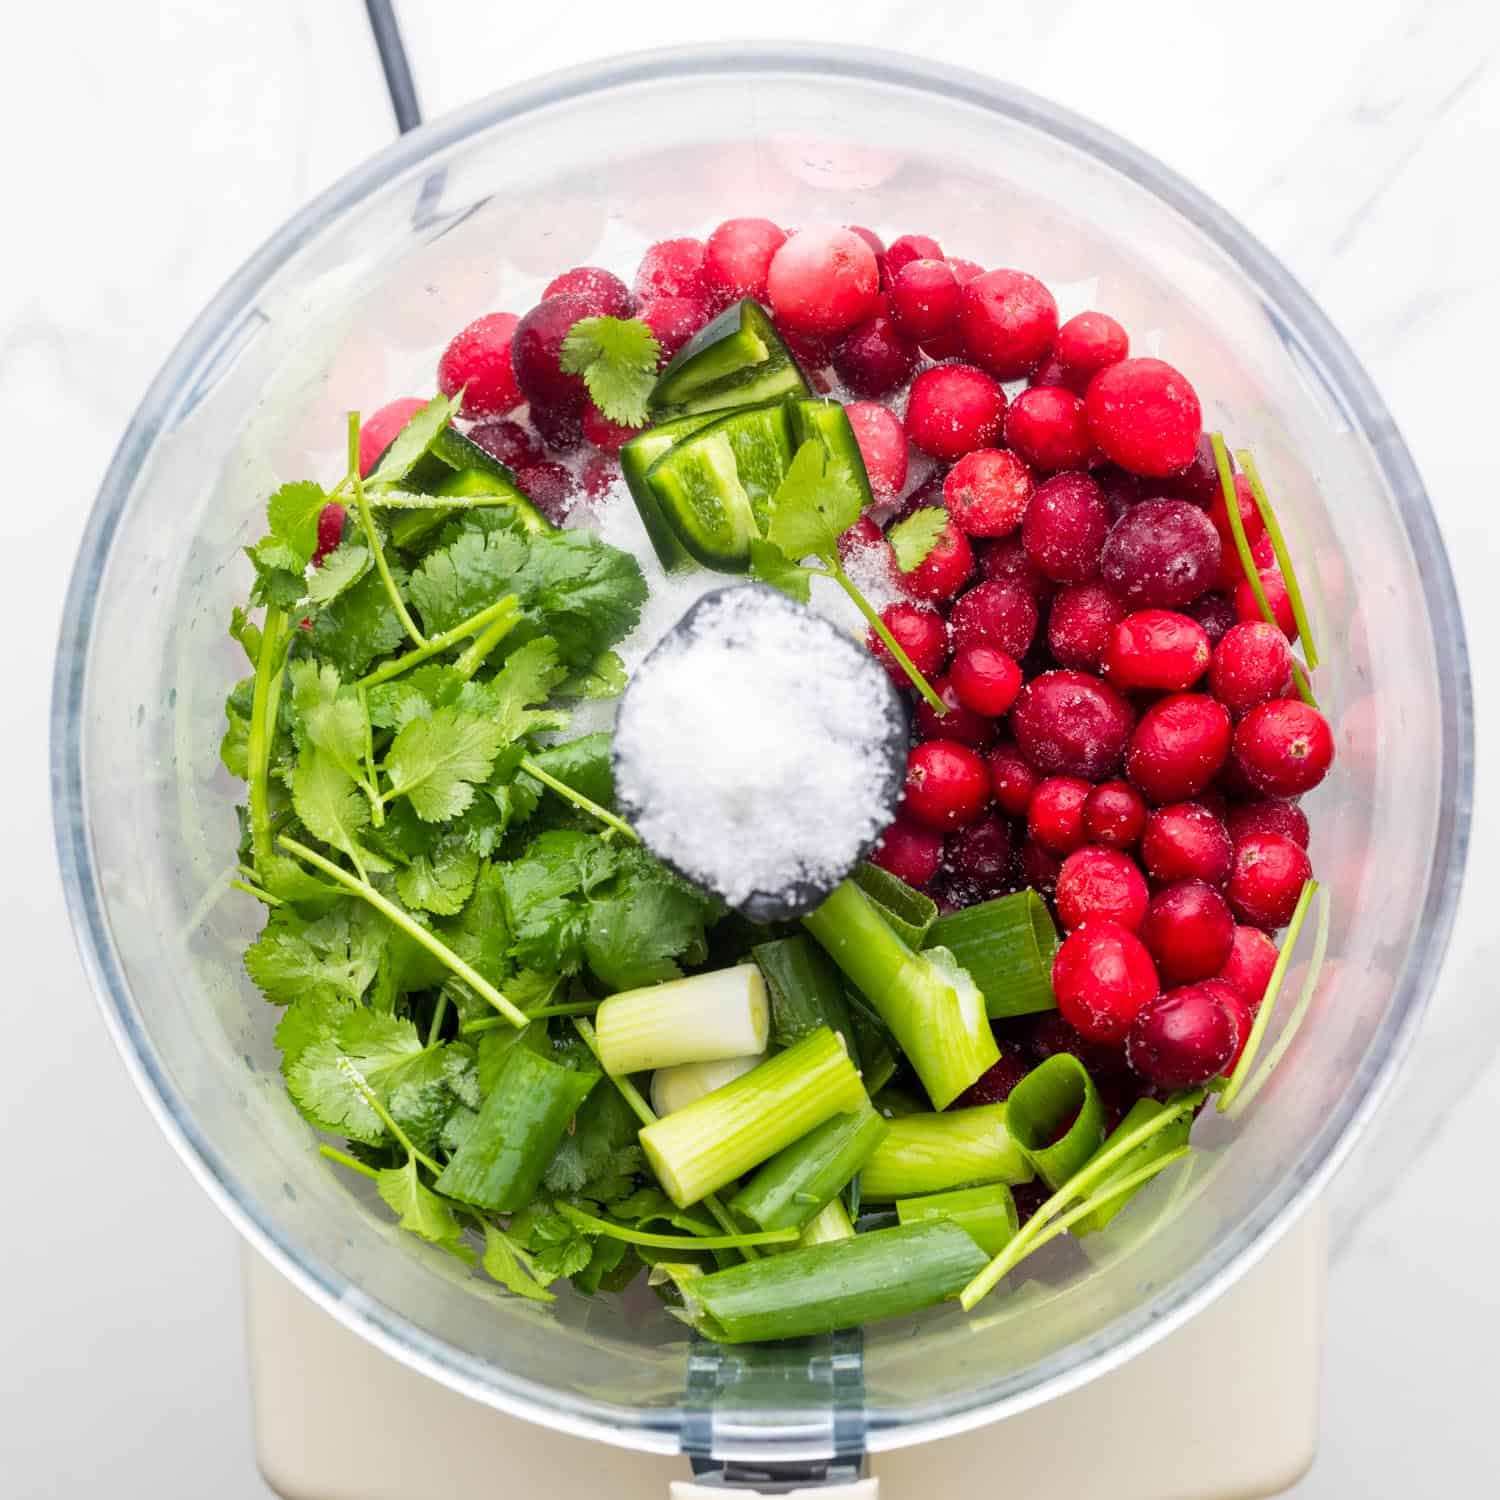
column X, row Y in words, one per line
column 234, row 747
column 246, row 632
column 771, row 565
column 278, row 574
column 561, row 1247
column 436, row 761
column 421, row 1210
column 618, row 359
column 413, row 695
column 413, row 441
column 915, row 537
column 329, row 716
column 604, row 677
column 809, row 512
column 359, row 625
column 458, row 580
column 341, row 570
column 333, row 808
column 292, row 515
column 506, row 1263
column 544, row 893
column 439, row 883
column 528, row 676
column 600, row 1157
column 335, row 954
column 481, row 935
column 313, row 1017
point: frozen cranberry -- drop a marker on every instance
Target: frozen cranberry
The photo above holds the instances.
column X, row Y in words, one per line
column 1240, row 1012
column 1145, row 416
column 1218, row 511
column 1269, row 815
column 379, row 429
column 1248, row 968
column 330, row 531
column 959, row 723
column 1268, row 876
column 882, row 446
column 954, row 409
column 1158, row 651
column 1048, row 374
column 1273, row 585
column 1088, row 342
column 873, row 359
column 910, row 852
column 995, row 1085
column 987, row 491
column 947, row 785
column 508, row 442
column 924, row 299
column 1011, row 780
column 1079, row 625
column 1039, row 867
column 985, row 678
column 1114, row 815
column 980, row 859
column 1284, row 747
column 864, row 550
column 920, row 631
column 1178, row 747
column 549, row 487
column 1215, row 613
column 1251, row 665
column 559, row 427
column 1102, row 976
column 1122, row 489
column 1047, row 1033
column 737, row 257
column 1005, row 561
column 1232, row 570
column 1072, row 724
column 1047, row 427
column 1065, row 527
column 945, row 569
column 1007, row 321
column 910, row 247
column 1188, row 930
column 673, row 268
column 477, row 362
column 536, row 352
column 603, row 290
column 823, row 280
column 1186, row 1037
column 1097, row 884
column 1199, row 481
column 1161, row 553
column 606, row 436
column 1185, row 841
column 673, row 321
column 1055, row 817
column 598, row 473
column 926, row 495
column 812, row 352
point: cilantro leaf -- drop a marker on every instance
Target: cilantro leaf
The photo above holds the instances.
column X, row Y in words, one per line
column 421, row 1211
column 234, row 747
column 360, row 624
column 292, row 514
column 413, row 441
column 468, row 575
column 313, row 1017
column 810, row 510
column 600, row 1158
column 604, row 677
column 278, row 573
column 246, row 632
column 332, row 807
column 645, row 922
column 771, row 565
column 440, row 882
column 547, row 918
column 341, row 570
column 617, row 358
column 481, row 935
column 329, row 716
column 511, row 1267
column 335, row 954
column 528, row 676
column 413, row 695
column 435, row 762
column 582, row 764
column 915, row 537
column 560, row 1246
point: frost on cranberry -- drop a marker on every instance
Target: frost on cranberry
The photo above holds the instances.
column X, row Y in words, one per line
column 1178, row 747
column 379, row 430
column 910, row 852
column 1186, row 1037
column 673, row 321
column 1012, row 780
column 1065, row 527
column 1102, row 977
column 1097, row 884
column 1248, row 967
column 1047, row 427
column 1145, row 416
column 605, row 293
column 954, row 409
column 1186, row 841
column 536, row 352
column 1251, row 665
column 1114, row 815
column 1215, row 613
column 947, row 785
column 1088, row 342
column 1199, row 482
column 958, row 723
column 924, row 299
column 987, row 492
column 882, row 446
column 1005, row 561
column 1268, row 815
column 1055, row 817
column 945, row 569
column 673, row 268
column 508, row 442
column 1156, row 650
column 1072, row 724
column 1268, row 876
column 1007, row 321
column 1284, row 748
column 980, row 860
column 551, row 488
column 906, row 248
column 920, row 631
column 1080, row 622
column 1273, row 586
column 330, row 531
column 823, row 280
column 985, row 678
column 994, row 1086
column 559, row 427
column 873, row 359
column 1161, row 553
column 477, row 362
column 737, row 259
column 1189, row 931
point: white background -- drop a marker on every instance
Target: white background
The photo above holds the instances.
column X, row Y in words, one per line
column 148, row 147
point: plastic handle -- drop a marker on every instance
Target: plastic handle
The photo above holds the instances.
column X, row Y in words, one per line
column 860, row 1489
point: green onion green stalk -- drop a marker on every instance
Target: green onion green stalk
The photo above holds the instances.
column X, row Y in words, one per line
column 831, row 1223
column 1170, row 1140
column 1055, row 1117
column 907, row 911
column 806, row 991
column 929, row 1153
column 988, row 1214
column 1007, row 945
column 794, row 1186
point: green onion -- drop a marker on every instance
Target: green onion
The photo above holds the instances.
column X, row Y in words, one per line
column 1168, row 1142
column 1055, row 1117
column 1007, row 945
column 987, row 1214
column 934, row 1010
column 1283, row 556
column 632, row 1236
column 907, row 911
column 830, row 1224
column 726, row 1133
column 806, row 991
column 675, row 1088
column 886, row 1274
column 705, row 1018
column 928, row 1153
column 520, row 1126
column 790, row 1190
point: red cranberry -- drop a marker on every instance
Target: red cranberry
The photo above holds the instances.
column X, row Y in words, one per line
column 1072, row 724
column 673, row 321
column 1007, row 321
column 1047, row 427
column 1251, row 665
column 1248, row 967
column 1005, row 561
column 1240, row 1012
column 945, row 570
column 1199, row 482
column 1001, row 614
column 1079, row 625
column 477, row 362
column 873, row 359
column 603, row 290
column 1012, row 780
column 1087, row 343
column 1269, row 815
column 737, row 257
column 1186, row 1037
column 954, row 409
column 959, row 723
column 1284, row 747
column 1048, row 374
column 559, row 427
column 549, row 487
column 994, row 1086
column 947, row 785
column 864, row 550
column 1102, row 976
column 606, row 436
column 1122, row 489
column 1047, row 1033
column 1188, row 930
column 1185, row 841
column 965, row 270
column 536, row 352
column 882, row 446
column 598, row 474
column 1268, row 876
column 1232, row 570
column 508, row 442
column 1158, row 651
column 910, row 852
column 1178, row 747
column 1097, row 884
column 920, row 631
column 1065, row 527
column 980, row 858
column 379, row 429
column 987, row 491
column 1055, row 817
column 1039, row 867
column 823, row 280
column 1273, row 585
column 1145, row 416
column 1114, row 815
column 673, row 268
column 1215, row 613
column 874, row 241
column 985, row 678
column 924, row 299
column 330, row 531
column 909, row 247
column 1161, row 553
column 1218, row 512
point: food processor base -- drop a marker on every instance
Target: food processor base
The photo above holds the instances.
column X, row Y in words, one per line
column 1225, row 1408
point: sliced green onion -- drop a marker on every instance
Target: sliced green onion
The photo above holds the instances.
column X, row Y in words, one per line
column 831, row 1223
column 1055, row 1117
column 632, row 1236
column 806, row 991
column 886, row 1274
column 726, row 1133
column 1283, row 556
column 1169, row 1141
column 705, row 1018
column 929, row 1153
column 1007, row 945
column 987, row 1214
column 675, row 1088
column 790, row 1190
column 908, row 912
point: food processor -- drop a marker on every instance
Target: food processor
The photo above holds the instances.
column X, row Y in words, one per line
column 1173, row 1355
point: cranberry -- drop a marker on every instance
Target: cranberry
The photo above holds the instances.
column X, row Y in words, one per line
column 1097, row 884
column 1240, row 1012
column 673, row 321
column 1248, row 967
column 924, row 299
column 1273, row 585
column 1055, row 817
column 1047, row 1033
column 959, row 723
column 1065, row 527
column 330, row 531
column 965, row 270
column 1102, row 976
column 1251, row 665
column 603, row 290
column 598, row 474
column 873, row 359
column 1157, row 650
column 737, row 257
column 1047, row 427
column 1072, row 724
column 1188, row 930
column 673, row 268
column 882, row 446
column 1268, row 876
column 910, row 852
column 1122, row 489
column 920, row 631
column 1079, row 625
column 549, row 487
column 1050, row 373
column 559, row 427
column 379, row 430
column 985, row 678
column 1162, row 553
column 1186, row 1037
column 536, row 352
column 1005, row 561
column 947, row 784
column 1114, row 814
column 1269, row 815
column 954, row 409
column 1232, row 570
column 1007, row 321
column 1012, row 780
column 987, row 491
column 1087, row 343
column 864, row 549
column 1284, row 747
column 995, row 1085
column 909, row 247
column 1178, row 747
column 1185, row 841
column 603, row 434
column 1215, row 613
column 1218, row 512
column 945, row 570
column 1039, row 867
column 477, row 362
column 1145, row 416
column 823, row 280
column 508, row 442
column 811, row 352
column 980, row 859
column 1199, row 482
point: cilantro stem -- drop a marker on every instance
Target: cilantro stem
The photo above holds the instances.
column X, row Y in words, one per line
column 372, row 537
column 473, row 657
column 264, row 701
column 1283, row 555
column 413, row 929
column 370, row 781
column 594, row 1225
column 504, row 611
column 368, row 1094
column 254, row 890
column 493, row 1023
column 439, row 1015
column 835, row 571
column 570, row 794
column 345, row 1160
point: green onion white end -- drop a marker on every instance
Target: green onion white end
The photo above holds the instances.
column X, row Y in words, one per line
column 707, row 1018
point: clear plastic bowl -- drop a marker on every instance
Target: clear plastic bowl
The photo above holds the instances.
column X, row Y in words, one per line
column 349, row 304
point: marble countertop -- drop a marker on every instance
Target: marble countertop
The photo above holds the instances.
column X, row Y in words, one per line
column 162, row 141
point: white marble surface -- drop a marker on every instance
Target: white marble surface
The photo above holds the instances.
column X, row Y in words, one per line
column 149, row 147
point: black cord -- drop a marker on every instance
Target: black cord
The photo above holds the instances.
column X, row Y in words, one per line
column 394, row 64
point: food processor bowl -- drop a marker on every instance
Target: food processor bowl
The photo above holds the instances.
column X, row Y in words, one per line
column 347, row 306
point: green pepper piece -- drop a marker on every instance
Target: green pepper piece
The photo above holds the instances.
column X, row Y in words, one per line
column 736, row 360
column 636, row 457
